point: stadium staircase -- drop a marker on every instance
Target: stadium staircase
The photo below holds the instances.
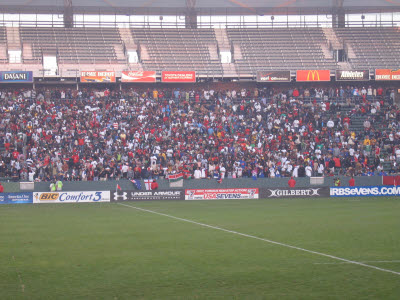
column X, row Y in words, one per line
column 3, row 46
column 224, row 44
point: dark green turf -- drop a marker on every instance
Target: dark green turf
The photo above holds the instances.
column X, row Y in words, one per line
column 109, row 251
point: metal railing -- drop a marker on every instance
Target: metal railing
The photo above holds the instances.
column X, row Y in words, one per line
column 180, row 24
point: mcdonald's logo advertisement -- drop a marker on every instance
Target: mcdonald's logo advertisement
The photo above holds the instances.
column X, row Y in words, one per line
column 313, row 75
column 387, row 74
column 357, row 75
column 273, row 76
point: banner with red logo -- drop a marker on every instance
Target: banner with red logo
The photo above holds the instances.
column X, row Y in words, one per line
column 97, row 76
column 138, row 76
column 178, row 76
column 219, row 194
column 313, row 75
column 273, row 76
column 387, row 74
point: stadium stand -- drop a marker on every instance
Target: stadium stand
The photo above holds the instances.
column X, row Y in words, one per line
column 279, row 49
column 373, row 47
column 72, row 45
column 179, row 49
column 94, row 134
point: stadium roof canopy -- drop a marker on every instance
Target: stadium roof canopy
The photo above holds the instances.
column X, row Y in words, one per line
column 202, row 7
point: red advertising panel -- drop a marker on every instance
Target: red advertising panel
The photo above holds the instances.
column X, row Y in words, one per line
column 387, row 74
column 219, row 194
column 97, row 76
column 138, row 76
column 178, row 76
column 313, row 75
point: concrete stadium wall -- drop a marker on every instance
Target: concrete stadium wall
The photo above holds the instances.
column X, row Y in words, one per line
column 196, row 184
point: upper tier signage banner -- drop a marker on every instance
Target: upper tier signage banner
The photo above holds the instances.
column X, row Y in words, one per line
column 97, row 76
column 138, row 76
column 354, row 75
column 273, row 76
column 178, row 76
column 387, row 74
column 313, row 75
column 16, row 76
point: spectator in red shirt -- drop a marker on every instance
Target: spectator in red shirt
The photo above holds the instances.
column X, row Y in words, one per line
column 292, row 182
column 1, row 188
column 352, row 182
column 154, row 185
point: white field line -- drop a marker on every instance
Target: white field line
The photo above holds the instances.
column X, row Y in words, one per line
column 366, row 261
column 19, row 276
column 265, row 240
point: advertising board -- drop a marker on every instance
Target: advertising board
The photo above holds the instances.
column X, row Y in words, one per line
column 219, row 194
column 16, row 198
column 364, row 191
column 178, row 76
column 387, row 74
column 71, row 197
column 273, row 76
column 352, row 75
column 138, row 76
column 313, row 75
column 295, row 192
column 16, row 76
column 137, row 195
column 97, row 76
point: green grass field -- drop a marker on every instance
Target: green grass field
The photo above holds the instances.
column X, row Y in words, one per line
column 112, row 251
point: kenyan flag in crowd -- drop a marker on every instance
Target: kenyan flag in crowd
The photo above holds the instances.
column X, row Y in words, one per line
column 175, row 177
column 176, row 180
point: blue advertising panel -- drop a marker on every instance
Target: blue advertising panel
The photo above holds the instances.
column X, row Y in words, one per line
column 16, row 198
column 364, row 191
column 16, row 76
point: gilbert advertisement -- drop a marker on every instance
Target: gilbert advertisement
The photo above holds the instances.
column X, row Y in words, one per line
column 97, row 76
column 178, row 76
column 313, row 75
column 138, row 76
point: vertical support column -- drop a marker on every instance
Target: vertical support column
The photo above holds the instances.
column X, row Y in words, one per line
column 191, row 15
column 68, row 14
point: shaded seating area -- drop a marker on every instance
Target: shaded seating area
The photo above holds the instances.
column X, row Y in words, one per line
column 374, row 47
column 179, row 49
column 279, row 49
column 72, row 45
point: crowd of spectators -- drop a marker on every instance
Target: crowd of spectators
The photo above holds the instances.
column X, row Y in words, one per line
column 223, row 131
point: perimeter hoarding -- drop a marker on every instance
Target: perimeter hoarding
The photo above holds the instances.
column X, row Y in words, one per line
column 365, row 191
column 97, row 76
column 138, row 76
column 313, row 75
column 148, row 195
column 356, row 75
column 16, row 76
column 178, row 76
column 16, row 198
column 294, row 192
column 71, row 197
column 387, row 74
column 273, row 76
column 220, row 194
